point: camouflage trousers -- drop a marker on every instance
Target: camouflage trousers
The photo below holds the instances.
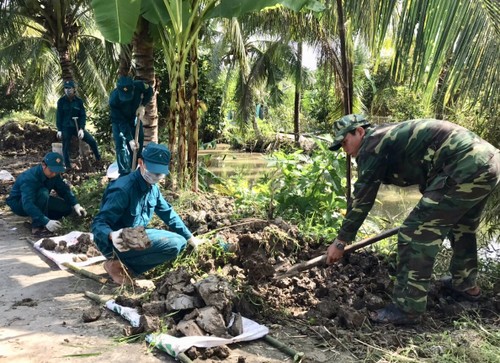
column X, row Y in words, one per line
column 447, row 209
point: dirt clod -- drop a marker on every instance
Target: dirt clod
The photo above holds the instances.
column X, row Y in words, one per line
column 91, row 314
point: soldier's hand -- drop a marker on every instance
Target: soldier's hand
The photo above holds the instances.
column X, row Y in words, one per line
column 80, row 134
column 53, row 225
column 80, row 210
column 141, row 110
column 335, row 251
column 59, row 135
column 133, row 145
column 116, row 238
column 196, row 242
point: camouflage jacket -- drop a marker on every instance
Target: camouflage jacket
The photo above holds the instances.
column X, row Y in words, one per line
column 424, row 152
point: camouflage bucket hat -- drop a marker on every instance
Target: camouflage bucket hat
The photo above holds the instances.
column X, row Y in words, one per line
column 344, row 125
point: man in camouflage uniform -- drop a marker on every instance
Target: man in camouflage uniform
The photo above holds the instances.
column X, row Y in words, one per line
column 455, row 170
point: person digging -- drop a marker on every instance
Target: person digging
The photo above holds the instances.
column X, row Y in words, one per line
column 31, row 196
column 130, row 202
column 456, row 172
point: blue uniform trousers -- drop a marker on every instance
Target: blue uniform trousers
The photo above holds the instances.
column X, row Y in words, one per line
column 67, row 134
column 122, row 134
column 51, row 206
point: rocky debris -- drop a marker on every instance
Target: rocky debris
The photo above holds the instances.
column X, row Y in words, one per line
column 187, row 307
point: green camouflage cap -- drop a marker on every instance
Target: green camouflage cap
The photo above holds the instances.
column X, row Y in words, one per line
column 345, row 124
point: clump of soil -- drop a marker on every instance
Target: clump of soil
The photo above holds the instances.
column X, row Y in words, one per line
column 91, row 314
column 84, row 246
column 135, row 238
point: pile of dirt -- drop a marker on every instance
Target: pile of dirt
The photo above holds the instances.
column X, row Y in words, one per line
column 337, row 298
column 30, row 137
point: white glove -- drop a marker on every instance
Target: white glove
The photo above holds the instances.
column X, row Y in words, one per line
column 59, row 135
column 141, row 110
column 116, row 238
column 80, row 210
column 133, row 145
column 80, row 134
column 196, row 242
column 53, row 225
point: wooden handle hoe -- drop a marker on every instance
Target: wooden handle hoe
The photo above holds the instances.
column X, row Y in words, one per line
column 136, row 139
column 295, row 269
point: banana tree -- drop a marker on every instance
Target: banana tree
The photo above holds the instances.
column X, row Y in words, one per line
column 179, row 23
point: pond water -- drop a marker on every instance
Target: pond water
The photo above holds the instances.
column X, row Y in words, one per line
column 225, row 163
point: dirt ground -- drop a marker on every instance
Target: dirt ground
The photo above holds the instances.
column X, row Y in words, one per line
column 322, row 312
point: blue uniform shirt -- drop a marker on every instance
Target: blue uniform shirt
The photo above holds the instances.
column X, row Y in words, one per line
column 124, row 112
column 27, row 186
column 131, row 202
column 67, row 109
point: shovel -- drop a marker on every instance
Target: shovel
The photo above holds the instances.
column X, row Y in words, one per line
column 295, row 269
column 84, row 162
column 80, row 150
column 136, row 139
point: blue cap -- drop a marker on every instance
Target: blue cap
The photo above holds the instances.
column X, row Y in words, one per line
column 54, row 161
column 156, row 157
column 125, row 86
column 69, row 84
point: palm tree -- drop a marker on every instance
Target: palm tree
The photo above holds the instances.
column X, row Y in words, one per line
column 53, row 41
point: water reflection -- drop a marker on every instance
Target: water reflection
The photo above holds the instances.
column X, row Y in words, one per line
column 225, row 163
column 395, row 203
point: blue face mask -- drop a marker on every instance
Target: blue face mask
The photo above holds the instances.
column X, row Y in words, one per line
column 70, row 92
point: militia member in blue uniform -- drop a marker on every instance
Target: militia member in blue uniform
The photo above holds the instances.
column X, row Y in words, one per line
column 70, row 108
column 127, row 102
column 131, row 201
column 30, row 196
column 456, row 172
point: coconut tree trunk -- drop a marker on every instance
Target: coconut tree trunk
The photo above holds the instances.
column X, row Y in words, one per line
column 125, row 60
column 144, row 60
column 65, row 62
column 193, row 119
column 346, row 86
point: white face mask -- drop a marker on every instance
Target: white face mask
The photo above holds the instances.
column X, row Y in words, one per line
column 70, row 92
column 151, row 178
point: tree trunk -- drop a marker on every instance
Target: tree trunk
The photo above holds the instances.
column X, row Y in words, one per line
column 181, row 147
column 346, row 87
column 65, row 62
column 144, row 60
column 193, row 119
column 298, row 90
column 125, row 60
